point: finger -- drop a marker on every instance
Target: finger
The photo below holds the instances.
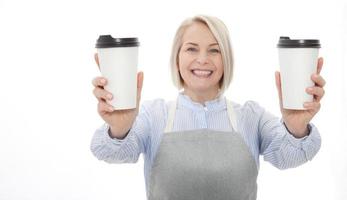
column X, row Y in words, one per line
column 139, row 86
column 279, row 86
column 99, row 81
column 102, row 94
column 314, row 106
column 319, row 65
column 318, row 80
column 97, row 60
column 104, row 107
column 318, row 92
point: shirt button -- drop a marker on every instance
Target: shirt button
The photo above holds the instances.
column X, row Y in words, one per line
column 205, row 108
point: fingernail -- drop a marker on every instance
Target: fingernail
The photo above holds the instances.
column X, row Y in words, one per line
column 102, row 81
column 110, row 109
column 306, row 104
column 309, row 89
column 109, row 96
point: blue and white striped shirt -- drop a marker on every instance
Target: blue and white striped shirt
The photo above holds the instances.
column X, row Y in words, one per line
column 264, row 133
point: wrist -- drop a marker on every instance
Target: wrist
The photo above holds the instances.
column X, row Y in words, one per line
column 298, row 131
column 115, row 133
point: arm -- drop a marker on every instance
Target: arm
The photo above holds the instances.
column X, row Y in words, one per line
column 279, row 146
column 126, row 150
column 293, row 140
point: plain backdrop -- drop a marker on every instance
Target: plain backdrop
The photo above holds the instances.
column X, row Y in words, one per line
column 48, row 113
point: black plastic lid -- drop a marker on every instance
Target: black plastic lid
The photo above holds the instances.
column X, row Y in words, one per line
column 286, row 42
column 107, row 41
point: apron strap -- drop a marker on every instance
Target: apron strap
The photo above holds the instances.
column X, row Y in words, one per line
column 231, row 114
column 171, row 116
column 172, row 111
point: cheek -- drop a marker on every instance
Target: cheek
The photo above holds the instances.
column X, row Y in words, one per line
column 184, row 61
column 221, row 68
column 219, row 65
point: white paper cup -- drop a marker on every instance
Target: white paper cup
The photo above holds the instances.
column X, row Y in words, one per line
column 118, row 59
column 298, row 61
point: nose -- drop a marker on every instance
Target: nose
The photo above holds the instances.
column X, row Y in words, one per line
column 202, row 58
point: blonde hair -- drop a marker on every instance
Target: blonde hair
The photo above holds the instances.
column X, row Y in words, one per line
column 220, row 32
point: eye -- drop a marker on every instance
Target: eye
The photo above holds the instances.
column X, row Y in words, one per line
column 191, row 49
column 214, row 51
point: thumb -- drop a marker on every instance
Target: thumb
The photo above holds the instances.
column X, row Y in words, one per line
column 139, row 87
column 96, row 58
column 279, row 87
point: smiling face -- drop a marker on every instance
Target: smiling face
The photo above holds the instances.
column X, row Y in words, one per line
column 200, row 60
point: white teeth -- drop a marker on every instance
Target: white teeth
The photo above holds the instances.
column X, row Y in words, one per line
column 204, row 73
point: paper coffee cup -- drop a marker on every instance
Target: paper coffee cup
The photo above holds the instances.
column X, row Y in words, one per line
column 118, row 59
column 298, row 61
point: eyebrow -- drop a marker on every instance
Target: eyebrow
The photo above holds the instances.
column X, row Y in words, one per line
column 198, row 45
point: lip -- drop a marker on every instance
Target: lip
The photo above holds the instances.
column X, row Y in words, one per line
column 202, row 69
column 202, row 75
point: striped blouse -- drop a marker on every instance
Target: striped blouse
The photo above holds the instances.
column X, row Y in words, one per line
column 264, row 133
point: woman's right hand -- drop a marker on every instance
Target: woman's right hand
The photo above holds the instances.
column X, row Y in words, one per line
column 120, row 121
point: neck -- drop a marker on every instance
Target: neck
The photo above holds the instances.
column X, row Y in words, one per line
column 201, row 97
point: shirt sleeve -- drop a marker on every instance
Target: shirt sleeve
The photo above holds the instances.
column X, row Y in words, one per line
column 128, row 149
column 280, row 147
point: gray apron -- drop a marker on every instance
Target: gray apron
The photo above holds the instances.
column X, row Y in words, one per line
column 203, row 164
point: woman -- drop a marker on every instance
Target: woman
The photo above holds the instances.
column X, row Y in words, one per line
column 203, row 146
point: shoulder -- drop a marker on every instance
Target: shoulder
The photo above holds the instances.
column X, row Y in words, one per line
column 155, row 111
column 155, row 107
column 153, row 103
column 250, row 105
column 249, row 109
column 250, row 116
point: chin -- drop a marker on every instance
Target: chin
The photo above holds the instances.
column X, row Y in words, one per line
column 202, row 89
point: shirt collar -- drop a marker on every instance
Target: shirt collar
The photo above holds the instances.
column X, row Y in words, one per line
column 184, row 101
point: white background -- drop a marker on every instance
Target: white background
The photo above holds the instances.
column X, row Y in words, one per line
column 48, row 113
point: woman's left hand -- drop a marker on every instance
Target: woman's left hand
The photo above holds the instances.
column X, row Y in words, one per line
column 297, row 120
